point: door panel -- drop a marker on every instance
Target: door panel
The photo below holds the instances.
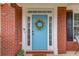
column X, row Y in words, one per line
column 39, row 35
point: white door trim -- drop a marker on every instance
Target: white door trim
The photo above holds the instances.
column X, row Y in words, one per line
column 29, row 48
column 24, row 31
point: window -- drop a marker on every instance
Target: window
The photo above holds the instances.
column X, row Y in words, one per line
column 40, row 11
column 28, row 29
column 50, row 30
column 69, row 25
column 76, row 24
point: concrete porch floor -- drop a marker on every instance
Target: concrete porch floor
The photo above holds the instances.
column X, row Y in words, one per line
column 70, row 53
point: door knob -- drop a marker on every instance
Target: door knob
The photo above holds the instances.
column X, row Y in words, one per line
column 32, row 32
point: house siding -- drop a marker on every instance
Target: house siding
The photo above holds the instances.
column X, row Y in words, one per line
column 8, row 30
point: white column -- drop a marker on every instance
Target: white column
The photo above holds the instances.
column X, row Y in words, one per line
column 24, row 36
column 55, row 32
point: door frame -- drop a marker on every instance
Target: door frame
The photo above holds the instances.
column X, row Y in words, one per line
column 24, row 29
column 50, row 48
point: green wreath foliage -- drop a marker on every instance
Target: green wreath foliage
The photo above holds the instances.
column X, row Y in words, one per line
column 39, row 20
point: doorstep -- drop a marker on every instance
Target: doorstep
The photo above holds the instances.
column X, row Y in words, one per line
column 39, row 53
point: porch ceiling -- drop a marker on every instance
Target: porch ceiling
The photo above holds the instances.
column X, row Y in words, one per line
column 50, row 4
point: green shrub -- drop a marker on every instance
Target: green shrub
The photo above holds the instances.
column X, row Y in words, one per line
column 20, row 53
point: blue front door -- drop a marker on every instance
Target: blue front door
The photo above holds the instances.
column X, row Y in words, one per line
column 39, row 32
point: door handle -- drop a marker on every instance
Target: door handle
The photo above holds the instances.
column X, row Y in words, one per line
column 32, row 32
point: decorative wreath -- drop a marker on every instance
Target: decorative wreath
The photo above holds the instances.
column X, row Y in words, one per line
column 41, row 22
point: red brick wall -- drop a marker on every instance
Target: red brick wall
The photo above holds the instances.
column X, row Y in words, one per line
column 8, row 30
column 61, row 29
column 19, row 27
column 18, row 22
column 0, row 30
column 72, row 46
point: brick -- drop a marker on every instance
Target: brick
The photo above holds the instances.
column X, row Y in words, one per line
column 8, row 29
column 62, row 30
